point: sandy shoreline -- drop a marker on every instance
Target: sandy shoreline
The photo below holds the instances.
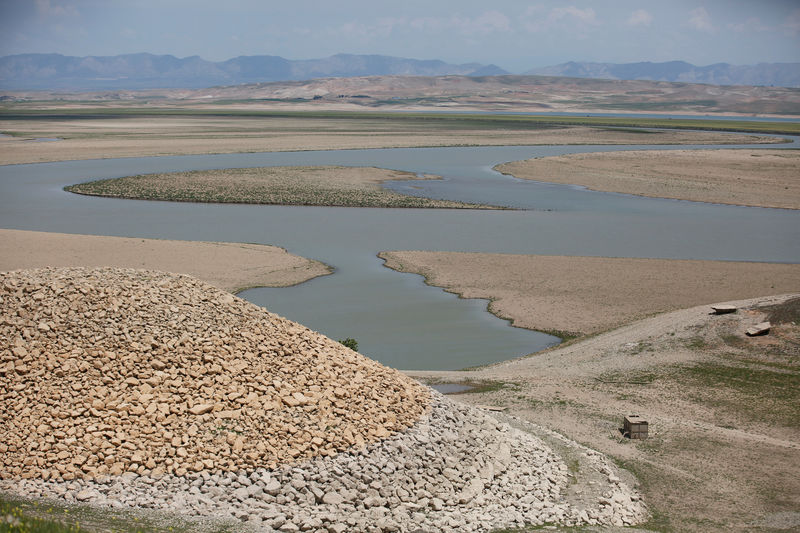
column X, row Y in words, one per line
column 228, row 266
column 762, row 178
column 591, row 294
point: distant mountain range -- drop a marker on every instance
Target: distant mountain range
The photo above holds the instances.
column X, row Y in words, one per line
column 765, row 74
column 146, row 71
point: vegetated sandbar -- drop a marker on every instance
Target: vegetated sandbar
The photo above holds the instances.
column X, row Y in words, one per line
column 228, row 266
column 145, row 132
column 582, row 295
column 302, row 185
column 763, row 178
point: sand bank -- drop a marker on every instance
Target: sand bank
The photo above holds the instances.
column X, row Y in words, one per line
column 591, row 294
column 765, row 178
column 228, row 266
column 98, row 138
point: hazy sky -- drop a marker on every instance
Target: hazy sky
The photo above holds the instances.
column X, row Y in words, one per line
column 515, row 35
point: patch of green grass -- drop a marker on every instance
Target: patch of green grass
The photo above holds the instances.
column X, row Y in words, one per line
column 16, row 517
column 23, row 515
column 762, row 394
column 745, row 379
column 631, row 377
column 573, row 465
column 697, row 343
column 733, row 358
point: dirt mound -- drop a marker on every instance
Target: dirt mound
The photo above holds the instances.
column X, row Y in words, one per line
column 105, row 371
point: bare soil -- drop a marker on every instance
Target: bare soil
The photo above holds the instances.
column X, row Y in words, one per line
column 583, row 295
column 724, row 439
column 764, row 178
column 228, row 266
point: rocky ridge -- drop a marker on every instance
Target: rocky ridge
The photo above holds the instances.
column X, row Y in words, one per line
column 108, row 371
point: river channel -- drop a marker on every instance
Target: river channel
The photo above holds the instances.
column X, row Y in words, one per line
column 395, row 317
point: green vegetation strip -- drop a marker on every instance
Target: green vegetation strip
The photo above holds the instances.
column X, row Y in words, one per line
column 455, row 120
column 26, row 515
column 23, row 517
column 309, row 186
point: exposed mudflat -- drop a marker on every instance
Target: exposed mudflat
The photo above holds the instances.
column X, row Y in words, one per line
column 591, row 294
column 762, row 178
column 225, row 265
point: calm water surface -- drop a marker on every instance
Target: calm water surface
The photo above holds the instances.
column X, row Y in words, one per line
column 395, row 317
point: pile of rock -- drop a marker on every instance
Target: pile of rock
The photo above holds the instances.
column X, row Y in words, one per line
column 128, row 388
column 456, row 469
column 108, row 371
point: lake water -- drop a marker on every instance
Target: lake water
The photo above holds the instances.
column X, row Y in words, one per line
column 395, row 318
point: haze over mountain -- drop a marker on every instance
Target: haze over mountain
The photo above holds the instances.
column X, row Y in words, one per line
column 148, row 71
column 776, row 74
column 143, row 71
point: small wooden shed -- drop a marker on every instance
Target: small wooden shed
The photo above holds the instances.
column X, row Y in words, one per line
column 634, row 427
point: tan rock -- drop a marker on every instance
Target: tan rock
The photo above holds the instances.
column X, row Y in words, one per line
column 19, row 351
column 238, row 445
column 201, row 409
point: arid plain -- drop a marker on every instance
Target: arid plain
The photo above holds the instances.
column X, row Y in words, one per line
column 719, row 402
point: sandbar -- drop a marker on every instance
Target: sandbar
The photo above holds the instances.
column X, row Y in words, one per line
column 584, row 295
column 296, row 185
column 228, row 266
column 763, row 178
